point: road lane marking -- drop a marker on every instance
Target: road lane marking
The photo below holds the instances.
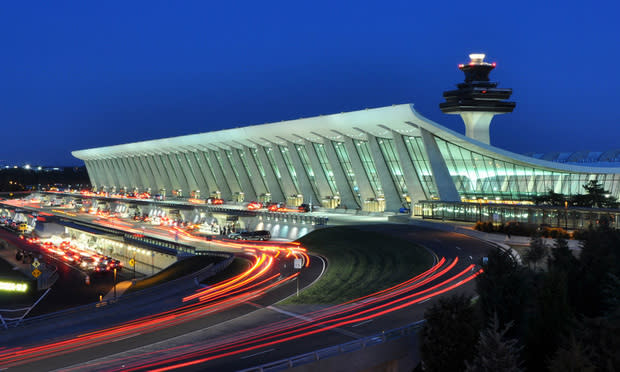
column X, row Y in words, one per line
column 362, row 323
column 421, row 302
column 457, row 247
column 255, row 354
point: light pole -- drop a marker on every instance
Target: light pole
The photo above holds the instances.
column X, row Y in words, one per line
column 565, row 214
column 115, row 283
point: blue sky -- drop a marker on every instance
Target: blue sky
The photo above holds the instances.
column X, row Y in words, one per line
column 84, row 74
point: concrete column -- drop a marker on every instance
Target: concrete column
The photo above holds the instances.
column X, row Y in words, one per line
column 161, row 179
column 199, row 174
column 287, row 188
column 114, row 173
column 209, row 174
column 302, row 177
column 347, row 198
column 179, row 169
column 95, row 175
column 361, row 177
column 107, row 180
column 321, row 180
column 393, row 200
column 119, row 173
column 414, row 186
column 226, row 171
column 151, row 180
column 92, row 176
column 133, row 177
column 166, row 177
column 445, row 186
column 188, row 171
column 138, row 171
column 171, row 168
column 272, row 186
column 244, row 178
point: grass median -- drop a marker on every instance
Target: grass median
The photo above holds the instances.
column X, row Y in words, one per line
column 359, row 263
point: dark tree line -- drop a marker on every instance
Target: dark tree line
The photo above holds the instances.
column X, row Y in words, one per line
column 20, row 179
column 564, row 318
column 595, row 197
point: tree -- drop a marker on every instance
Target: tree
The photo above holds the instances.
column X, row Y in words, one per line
column 574, row 357
column 503, row 289
column 496, row 352
column 549, row 318
column 537, row 250
column 596, row 196
column 449, row 335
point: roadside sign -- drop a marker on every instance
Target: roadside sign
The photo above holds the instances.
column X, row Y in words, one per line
column 36, row 263
column 132, row 262
column 36, row 273
column 297, row 263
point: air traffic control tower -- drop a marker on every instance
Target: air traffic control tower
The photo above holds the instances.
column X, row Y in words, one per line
column 477, row 99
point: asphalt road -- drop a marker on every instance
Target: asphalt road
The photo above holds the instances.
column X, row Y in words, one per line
column 237, row 321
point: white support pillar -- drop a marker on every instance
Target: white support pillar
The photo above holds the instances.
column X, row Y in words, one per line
column 227, row 171
column 414, row 186
column 244, row 178
column 393, row 200
column 361, row 177
column 272, row 187
column 270, row 175
column 321, row 179
column 445, row 186
column 211, row 176
column 347, row 198
column 302, row 176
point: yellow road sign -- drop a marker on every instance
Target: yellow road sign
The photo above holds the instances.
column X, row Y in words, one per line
column 36, row 263
column 132, row 262
column 36, row 273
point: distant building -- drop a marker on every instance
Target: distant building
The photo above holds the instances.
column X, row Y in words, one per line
column 374, row 159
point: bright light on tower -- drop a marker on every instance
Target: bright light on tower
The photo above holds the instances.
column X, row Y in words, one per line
column 477, row 58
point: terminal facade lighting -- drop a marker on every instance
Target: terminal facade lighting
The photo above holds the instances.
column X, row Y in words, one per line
column 378, row 159
column 477, row 99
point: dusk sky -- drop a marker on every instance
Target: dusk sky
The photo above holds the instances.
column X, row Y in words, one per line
column 85, row 74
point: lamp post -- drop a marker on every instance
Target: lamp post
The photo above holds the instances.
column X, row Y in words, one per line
column 565, row 214
column 115, row 283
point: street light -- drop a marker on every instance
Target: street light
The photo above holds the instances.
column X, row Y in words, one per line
column 115, row 283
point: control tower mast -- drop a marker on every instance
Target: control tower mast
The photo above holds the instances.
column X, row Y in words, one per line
column 477, row 99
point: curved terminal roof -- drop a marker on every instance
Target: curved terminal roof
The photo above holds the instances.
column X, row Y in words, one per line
column 379, row 122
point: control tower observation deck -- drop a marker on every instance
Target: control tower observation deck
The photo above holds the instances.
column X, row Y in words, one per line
column 477, row 99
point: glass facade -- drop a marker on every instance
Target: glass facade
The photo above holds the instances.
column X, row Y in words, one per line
column 305, row 162
column 345, row 162
column 327, row 169
column 389, row 154
column 229, row 155
column 369, row 166
column 479, row 176
column 260, row 167
column 289, row 164
column 567, row 218
column 417, row 152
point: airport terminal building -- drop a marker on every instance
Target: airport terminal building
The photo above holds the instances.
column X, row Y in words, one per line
column 378, row 159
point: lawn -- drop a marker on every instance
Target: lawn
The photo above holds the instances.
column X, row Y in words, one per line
column 359, row 263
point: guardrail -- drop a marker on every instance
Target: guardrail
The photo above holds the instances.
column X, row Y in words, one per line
column 176, row 284
column 332, row 351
